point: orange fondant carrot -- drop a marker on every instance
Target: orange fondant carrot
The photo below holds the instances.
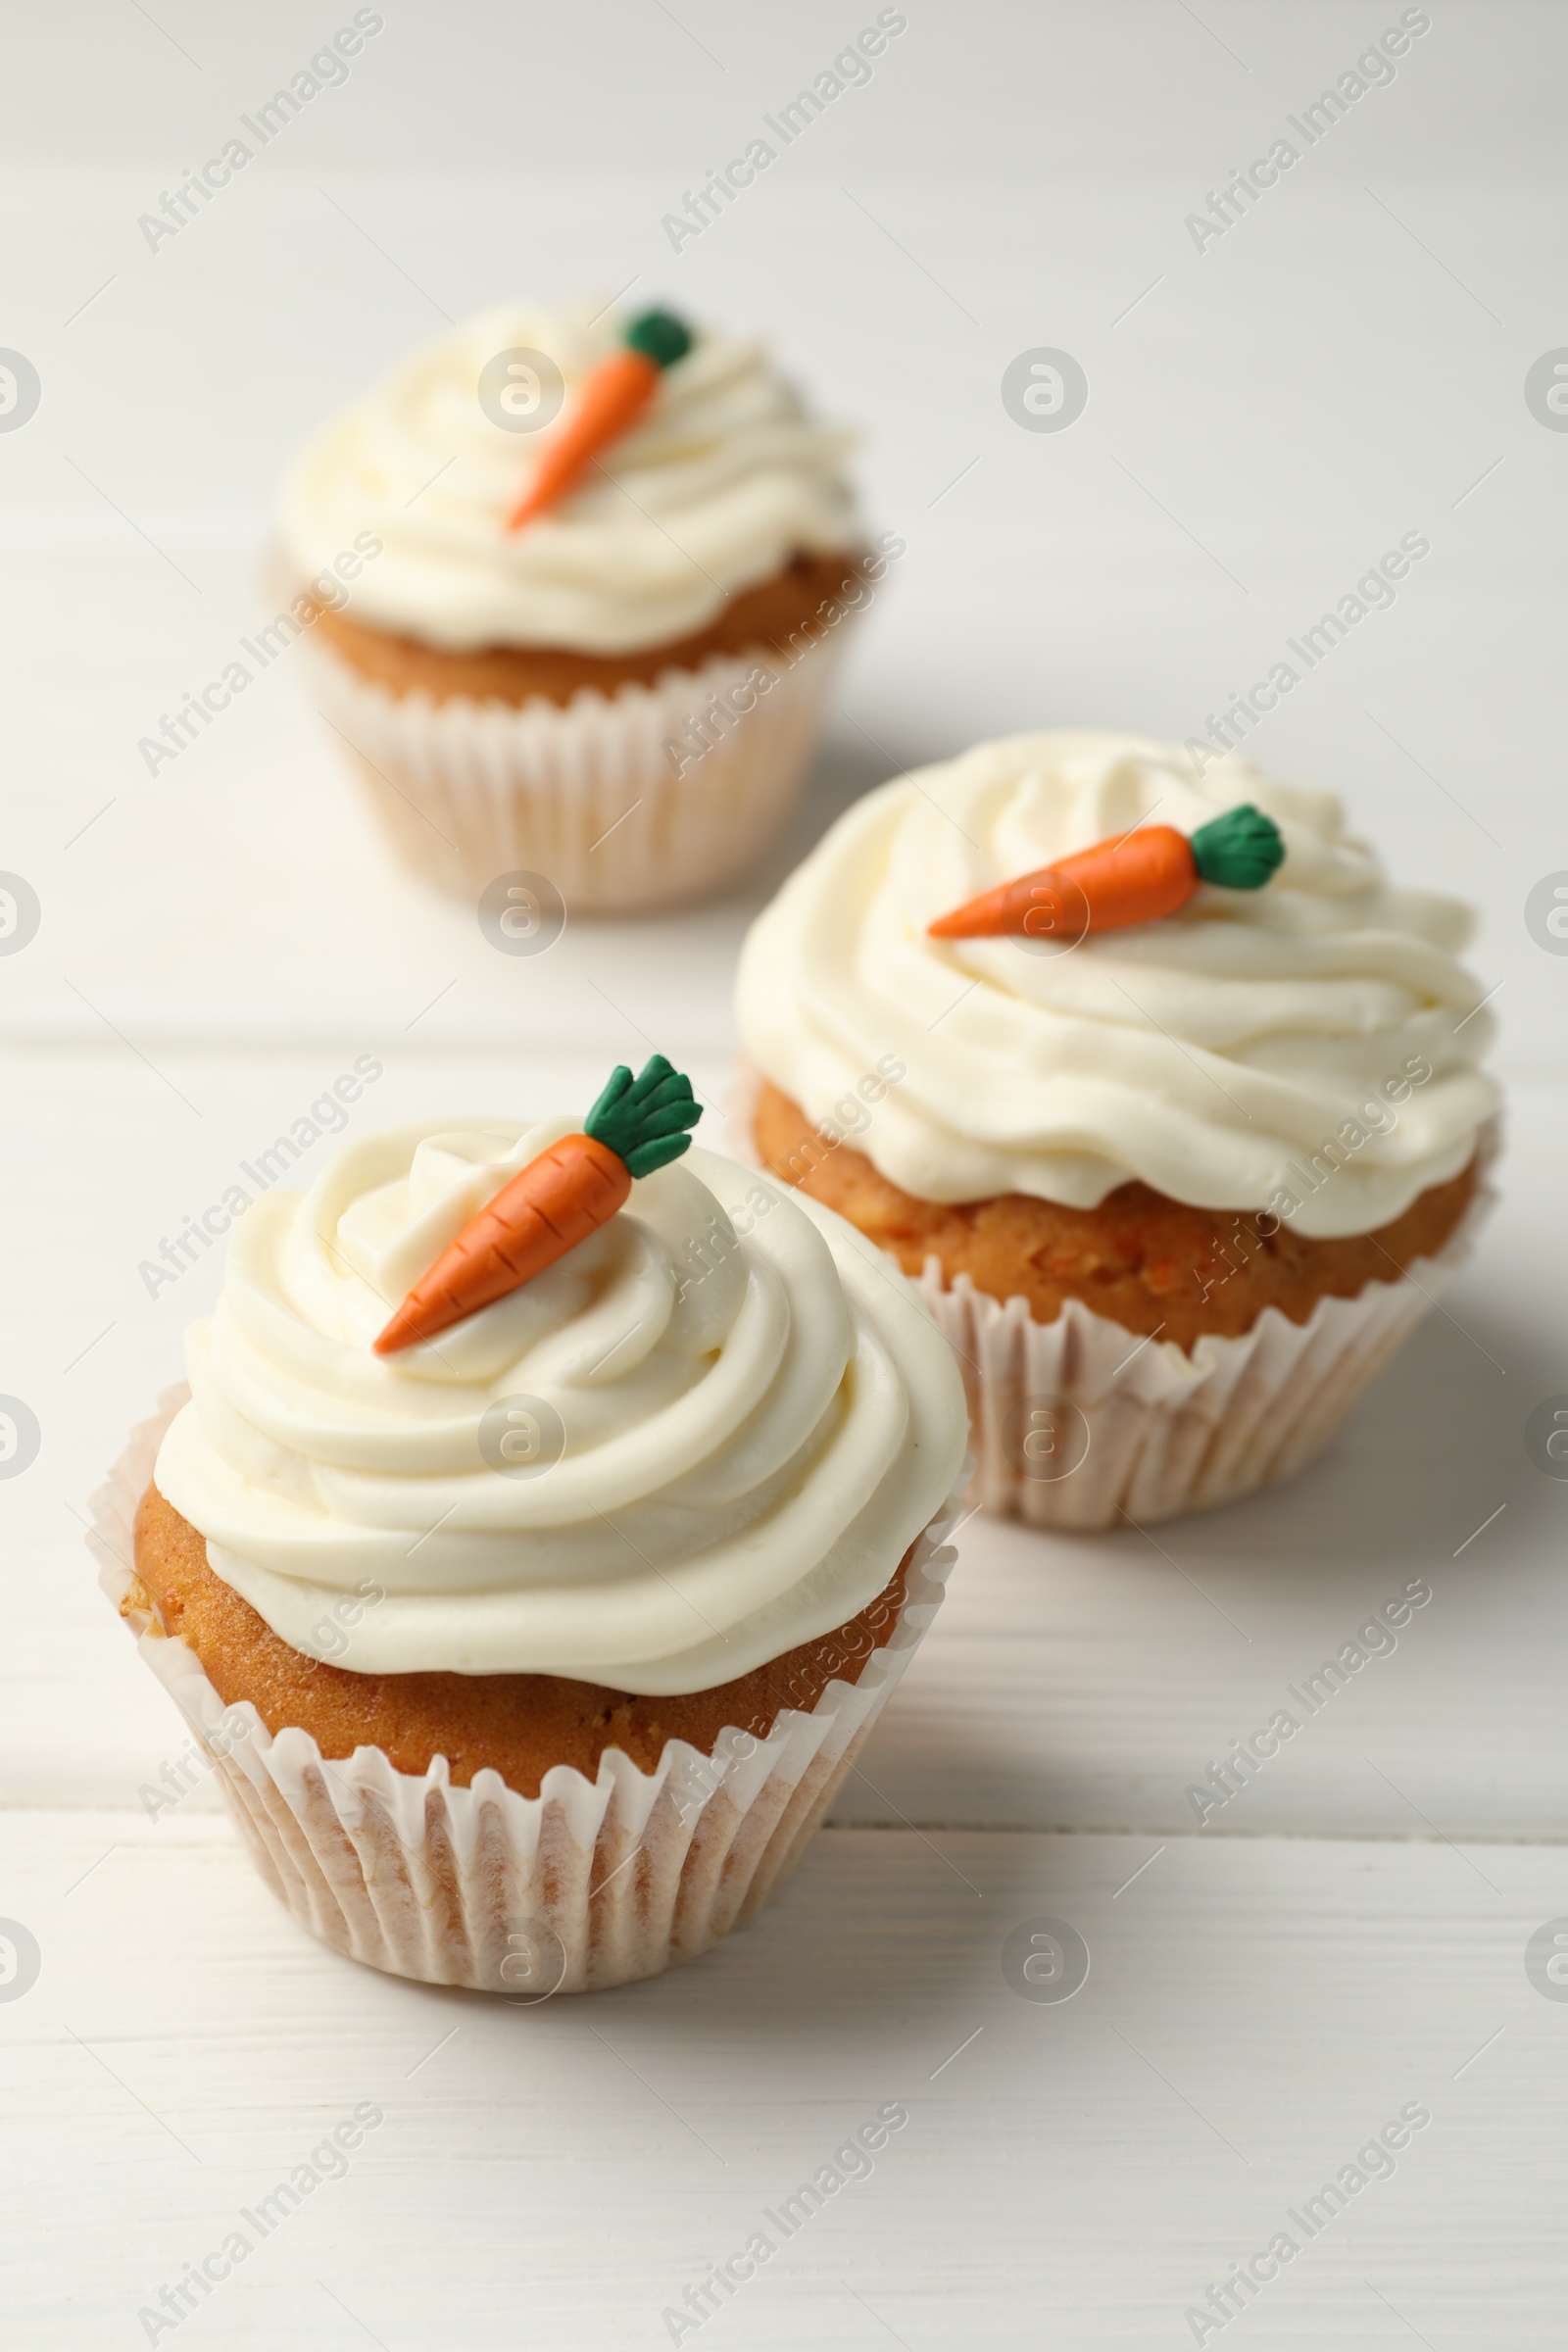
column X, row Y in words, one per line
column 608, row 403
column 1146, row 874
column 556, row 1201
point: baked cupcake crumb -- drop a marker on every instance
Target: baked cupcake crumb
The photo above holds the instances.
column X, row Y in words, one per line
column 781, row 615
column 517, row 1725
column 1152, row 1264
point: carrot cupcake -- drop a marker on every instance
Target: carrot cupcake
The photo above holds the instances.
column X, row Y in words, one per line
column 612, row 555
column 1165, row 1094
column 547, row 1526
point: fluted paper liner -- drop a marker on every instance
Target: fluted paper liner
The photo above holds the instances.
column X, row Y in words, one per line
column 585, row 793
column 1077, row 1424
column 1144, row 1431
column 588, row 1884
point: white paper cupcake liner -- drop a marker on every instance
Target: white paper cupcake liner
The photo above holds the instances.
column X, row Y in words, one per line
column 1078, row 1424
column 589, row 1885
column 585, row 793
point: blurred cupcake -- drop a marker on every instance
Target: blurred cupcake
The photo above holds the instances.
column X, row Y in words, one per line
column 1179, row 1125
column 612, row 558
column 531, row 1638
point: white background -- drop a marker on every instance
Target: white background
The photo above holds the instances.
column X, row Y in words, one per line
column 1266, row 416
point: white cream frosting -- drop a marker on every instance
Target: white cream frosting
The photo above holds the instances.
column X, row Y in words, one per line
column 722, row 481
column 1209, row 1055
column 756, row 1421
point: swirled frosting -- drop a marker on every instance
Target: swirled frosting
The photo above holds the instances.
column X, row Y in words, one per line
column 722, row 481
column 1210, row 1055
column 707, row 1434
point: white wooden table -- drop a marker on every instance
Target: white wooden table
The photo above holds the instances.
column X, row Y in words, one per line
column 1344, row 1942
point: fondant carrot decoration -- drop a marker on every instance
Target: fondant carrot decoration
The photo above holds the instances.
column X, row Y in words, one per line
column 552, row 1205
column 1148, row 873
column 608, row 405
